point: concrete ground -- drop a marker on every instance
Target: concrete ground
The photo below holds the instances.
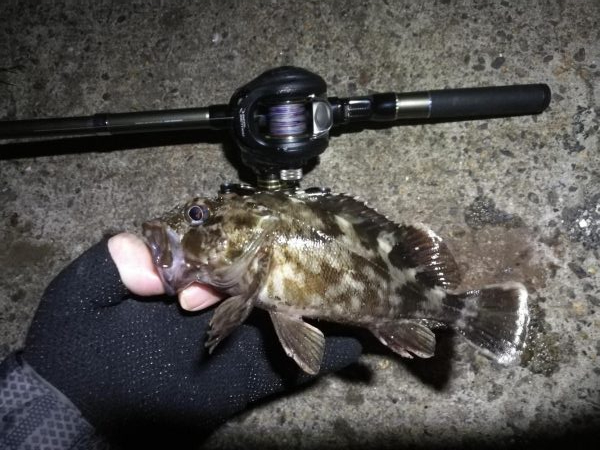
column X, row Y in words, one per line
column 516, row 198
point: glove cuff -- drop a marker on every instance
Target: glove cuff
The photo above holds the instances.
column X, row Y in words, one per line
column 35, row 414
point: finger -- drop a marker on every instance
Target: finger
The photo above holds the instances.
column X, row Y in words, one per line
column 134, row 263
column 198, row 296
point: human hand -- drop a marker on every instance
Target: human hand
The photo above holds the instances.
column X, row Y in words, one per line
column 136, row 365
column 134, row 263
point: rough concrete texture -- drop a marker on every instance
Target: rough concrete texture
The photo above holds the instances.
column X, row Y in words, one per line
column 517, row 198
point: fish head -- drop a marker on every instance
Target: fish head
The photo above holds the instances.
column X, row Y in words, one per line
column 200, row 238
column 182, row 242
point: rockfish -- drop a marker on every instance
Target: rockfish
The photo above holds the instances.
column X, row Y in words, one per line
column 318, row 255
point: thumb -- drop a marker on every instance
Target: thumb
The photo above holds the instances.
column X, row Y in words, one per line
column 134, row 263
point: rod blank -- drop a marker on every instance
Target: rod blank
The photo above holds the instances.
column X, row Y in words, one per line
column 119, row 123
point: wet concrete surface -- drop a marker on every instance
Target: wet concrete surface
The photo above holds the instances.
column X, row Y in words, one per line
column 516, row 198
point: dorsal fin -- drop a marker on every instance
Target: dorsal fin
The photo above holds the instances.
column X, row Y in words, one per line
column 416, row 246
column 407, row 246
column 354, row 210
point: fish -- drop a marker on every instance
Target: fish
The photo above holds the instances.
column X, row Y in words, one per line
column 313, row 254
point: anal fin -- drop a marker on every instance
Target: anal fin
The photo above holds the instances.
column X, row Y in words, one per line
column 300, row 340
column 405, row 337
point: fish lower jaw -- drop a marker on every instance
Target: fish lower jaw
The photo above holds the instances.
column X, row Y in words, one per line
column 167, row 278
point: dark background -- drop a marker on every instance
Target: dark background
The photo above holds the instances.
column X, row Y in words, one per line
column 516, row 198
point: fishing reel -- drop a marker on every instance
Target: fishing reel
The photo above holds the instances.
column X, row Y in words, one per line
column 282, row 119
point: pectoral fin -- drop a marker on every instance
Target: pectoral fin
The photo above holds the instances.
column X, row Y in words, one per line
column 235, row 310
column 228, row 316
column 301, row 341
column 405, row 337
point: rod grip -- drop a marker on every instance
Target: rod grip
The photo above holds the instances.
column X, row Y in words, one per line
column 489, row 101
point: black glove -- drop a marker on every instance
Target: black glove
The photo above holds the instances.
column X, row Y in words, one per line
column 138, row 365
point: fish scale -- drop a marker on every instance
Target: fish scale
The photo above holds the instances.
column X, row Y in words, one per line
column 312, row 254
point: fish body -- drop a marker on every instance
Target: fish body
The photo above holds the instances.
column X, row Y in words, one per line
column 313, row 254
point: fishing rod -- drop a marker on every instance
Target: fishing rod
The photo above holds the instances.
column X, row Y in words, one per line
column 282, row 119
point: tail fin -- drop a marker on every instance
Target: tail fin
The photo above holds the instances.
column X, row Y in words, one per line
column 493, row 318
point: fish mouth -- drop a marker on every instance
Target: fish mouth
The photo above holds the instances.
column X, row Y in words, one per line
column 167, row 254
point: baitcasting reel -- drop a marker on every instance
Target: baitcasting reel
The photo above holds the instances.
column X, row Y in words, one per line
column 282, row 119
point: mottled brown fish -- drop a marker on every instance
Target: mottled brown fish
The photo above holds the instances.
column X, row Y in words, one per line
column 312, row 254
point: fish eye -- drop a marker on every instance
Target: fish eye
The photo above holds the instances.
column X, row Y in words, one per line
column 197, row 214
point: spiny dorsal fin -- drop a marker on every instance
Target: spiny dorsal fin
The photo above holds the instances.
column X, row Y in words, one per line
column 352, row 209
column 408, row 246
